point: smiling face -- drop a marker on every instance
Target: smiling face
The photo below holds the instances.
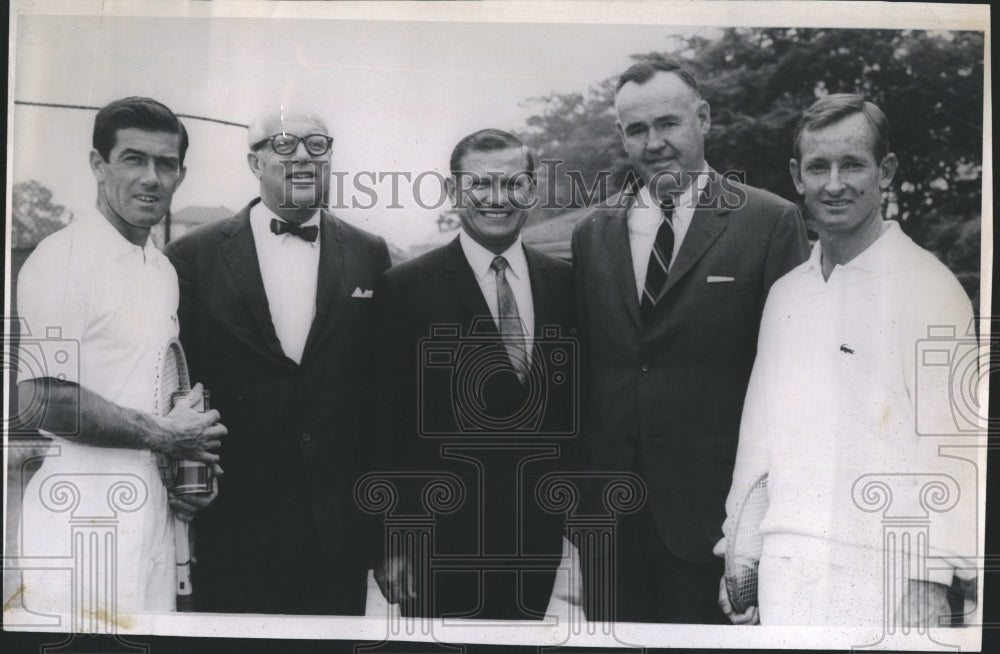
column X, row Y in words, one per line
column 839, row 177
column 663, row 124
column 294, row 186
column 493, row 195
column 137, row 182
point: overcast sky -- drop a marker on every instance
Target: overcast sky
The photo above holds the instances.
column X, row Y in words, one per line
column 399, row 95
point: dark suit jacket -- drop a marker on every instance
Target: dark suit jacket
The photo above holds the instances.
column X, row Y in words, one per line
column 665, row 398
column 429, row 391
column 297, row 433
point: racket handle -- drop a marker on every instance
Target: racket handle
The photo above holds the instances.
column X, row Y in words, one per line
column 183, row 557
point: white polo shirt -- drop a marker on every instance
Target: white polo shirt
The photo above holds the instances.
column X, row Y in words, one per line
column 841, row 397
column 99, row 311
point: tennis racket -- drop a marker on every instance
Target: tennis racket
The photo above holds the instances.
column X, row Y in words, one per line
column 172, row 377
column 743, row 547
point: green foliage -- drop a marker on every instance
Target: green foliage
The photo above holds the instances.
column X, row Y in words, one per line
column 35, row 215
column 757, row 81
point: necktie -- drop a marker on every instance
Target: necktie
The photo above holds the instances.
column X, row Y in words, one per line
column 305, row 233
column 659, row 260
column 509, row 320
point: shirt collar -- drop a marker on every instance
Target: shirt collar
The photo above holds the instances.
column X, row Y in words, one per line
column 110, row 241
column 875, row 258
column 480, row 259
column 815, row 260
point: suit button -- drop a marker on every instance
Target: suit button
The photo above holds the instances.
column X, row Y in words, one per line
column 644, row 367
column 306, row 438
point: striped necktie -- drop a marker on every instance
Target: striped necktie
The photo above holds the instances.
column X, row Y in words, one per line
column 509, row 320
column 659, row 260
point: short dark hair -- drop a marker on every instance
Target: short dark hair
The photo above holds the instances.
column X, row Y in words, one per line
column 644, row 71
column 135, row 112
column 488, row 140
column 836, row 107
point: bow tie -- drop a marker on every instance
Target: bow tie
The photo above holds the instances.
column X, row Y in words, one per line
column 305, row 233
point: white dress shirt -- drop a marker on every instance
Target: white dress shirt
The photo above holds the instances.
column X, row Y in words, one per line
column 644, row 218
column 289, row 267
column 480, row 259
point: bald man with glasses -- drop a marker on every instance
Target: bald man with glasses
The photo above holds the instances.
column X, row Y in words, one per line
column 275, row 316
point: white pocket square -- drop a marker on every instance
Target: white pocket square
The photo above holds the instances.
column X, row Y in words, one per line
column 715, row 279
column 363, row 294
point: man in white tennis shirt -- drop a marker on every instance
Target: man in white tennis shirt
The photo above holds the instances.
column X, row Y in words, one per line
column 102, row 285
column 831, row 413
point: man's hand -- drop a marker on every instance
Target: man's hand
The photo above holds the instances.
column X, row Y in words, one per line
column 394, row 577
column 187, row 506
column 924, row 604
column 750, row 617
column 189, row 435
column 75, row 412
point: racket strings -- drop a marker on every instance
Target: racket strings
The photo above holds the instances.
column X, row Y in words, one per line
column 171, row 377
column 748, row 541
column 744, row 547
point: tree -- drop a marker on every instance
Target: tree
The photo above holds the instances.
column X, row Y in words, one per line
column 577, row 144
column 35, row 215
column 757, row 81
column 448, row 220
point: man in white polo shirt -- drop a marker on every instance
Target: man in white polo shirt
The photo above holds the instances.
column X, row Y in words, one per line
column 833, row 400
column 102, row 284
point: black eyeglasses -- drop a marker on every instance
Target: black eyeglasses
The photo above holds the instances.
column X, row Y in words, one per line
column 316, row 144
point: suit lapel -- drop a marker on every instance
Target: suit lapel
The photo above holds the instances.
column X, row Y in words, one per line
column 707, row 224
column 240, row 255
column 620, row 255
column 541, row 288
column 462, row 280
column 334, row 260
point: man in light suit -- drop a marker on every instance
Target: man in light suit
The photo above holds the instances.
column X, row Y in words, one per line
column 276, row 314
column 671, row 279
column 477, row 380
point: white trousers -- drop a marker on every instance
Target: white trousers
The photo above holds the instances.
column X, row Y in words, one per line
column 801, row 591
column 100, row 536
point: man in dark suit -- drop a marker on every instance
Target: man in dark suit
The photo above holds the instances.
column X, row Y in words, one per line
column 477, row 382
column 276, row 314
column 671, row 279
